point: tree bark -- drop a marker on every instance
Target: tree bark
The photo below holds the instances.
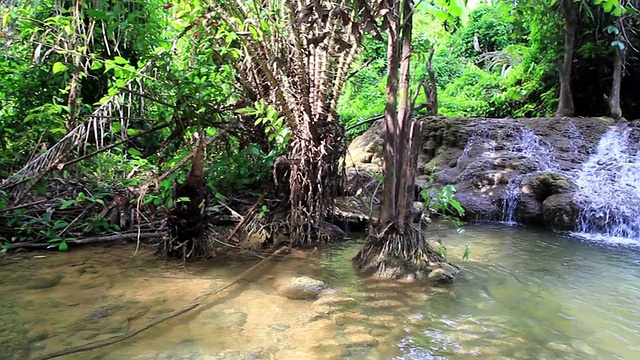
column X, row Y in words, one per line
column 392, row 129
column 616, row 83
column 404, row 165
column 571, row 18
column 432, row 88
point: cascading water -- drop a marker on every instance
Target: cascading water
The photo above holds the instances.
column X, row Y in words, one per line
column 514, row 141
column 609, row 189
column 575, row 135
column 510, row 201
column 539, row 153
column 533, row 147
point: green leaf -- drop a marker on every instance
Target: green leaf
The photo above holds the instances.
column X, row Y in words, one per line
column 66, row 204
column 59, row 224
column 5, row 247
column 95, row 65
column 58, row 67
column 135, row 153
column 442, row 251
column 41, row 188
column 62, row 246
column 5, row 19
column 120, row 60
column 619, row 44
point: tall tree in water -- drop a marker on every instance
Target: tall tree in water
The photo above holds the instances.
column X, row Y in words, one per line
column 396, row 248
column 571, row 15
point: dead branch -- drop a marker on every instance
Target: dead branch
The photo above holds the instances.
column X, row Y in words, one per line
column 366, row 121
column 101, row 150
column 24, row 205
column 89, row 240
column 246, row 216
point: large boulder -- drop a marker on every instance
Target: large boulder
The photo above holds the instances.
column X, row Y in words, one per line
column 560, row 212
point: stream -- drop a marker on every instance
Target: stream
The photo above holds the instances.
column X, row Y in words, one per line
column 524, row 294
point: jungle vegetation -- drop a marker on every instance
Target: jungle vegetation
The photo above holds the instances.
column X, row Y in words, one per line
column 152, row 119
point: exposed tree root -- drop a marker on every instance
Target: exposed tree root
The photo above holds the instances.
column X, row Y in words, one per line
column 131, row 333
column 395, row 255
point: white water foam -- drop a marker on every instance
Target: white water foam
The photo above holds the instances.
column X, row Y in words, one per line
column 609, row 190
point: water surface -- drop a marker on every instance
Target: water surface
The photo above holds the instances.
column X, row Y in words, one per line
column 523, row 295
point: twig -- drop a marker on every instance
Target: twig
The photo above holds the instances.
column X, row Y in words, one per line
column 129, row 334
column 366, row 121
column 24, row 205
column 96, row 152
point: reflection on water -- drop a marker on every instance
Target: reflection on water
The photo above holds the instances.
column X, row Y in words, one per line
column 522, row 295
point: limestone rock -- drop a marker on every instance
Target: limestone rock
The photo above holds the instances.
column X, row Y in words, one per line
column 440, row 275
column 482, row 158
column 542, row 185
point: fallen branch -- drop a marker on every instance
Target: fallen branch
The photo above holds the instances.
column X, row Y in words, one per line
column 24, row 205
column 246, row 216
column 380, row 117
column 89, row 240
column 129, row 334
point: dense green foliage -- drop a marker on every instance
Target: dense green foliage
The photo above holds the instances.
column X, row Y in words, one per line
column 170, row 71
column 503, row 61
column 167, row 87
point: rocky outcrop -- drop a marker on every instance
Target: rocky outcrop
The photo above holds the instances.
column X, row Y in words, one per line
column 503, row 169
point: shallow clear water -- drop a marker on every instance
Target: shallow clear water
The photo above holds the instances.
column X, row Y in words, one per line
column 522, row 295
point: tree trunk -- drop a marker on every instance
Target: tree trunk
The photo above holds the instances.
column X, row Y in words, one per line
column 397, row 248
column 432, row 88
column 389, row 209
column 616, row 83
column 74, row 86
column 565, row 103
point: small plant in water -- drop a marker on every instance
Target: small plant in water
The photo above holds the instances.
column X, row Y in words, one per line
column 467, row 252
column 442, row 203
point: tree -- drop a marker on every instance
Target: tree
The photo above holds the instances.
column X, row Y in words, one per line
column 624, row 25
column 571, row 15
column 396, row 248
column 296, row 59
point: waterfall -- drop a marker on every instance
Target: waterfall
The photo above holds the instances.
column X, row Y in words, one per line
column 510, row 201
column 527, row 143
column 609, row 189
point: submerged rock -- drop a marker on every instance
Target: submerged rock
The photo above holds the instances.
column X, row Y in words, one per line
column 43, row 282
column 302, row 288
column 440, row 275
